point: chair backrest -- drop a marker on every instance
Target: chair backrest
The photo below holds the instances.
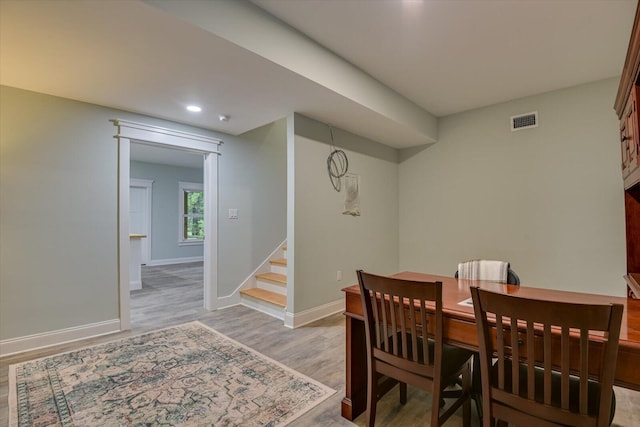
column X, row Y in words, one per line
column 400, row 315
column 552, row 343
column 511, row 279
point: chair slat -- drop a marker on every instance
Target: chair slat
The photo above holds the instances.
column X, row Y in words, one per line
column 403, row 329
column 501, row 355
column 515, row 356
column 376, row 317
column 425, row 334
column 564, row 368
column 547, row 364
column 531, row 359
column 394, row 327
column 584, row 370
column 385, row 327
column 414, row 332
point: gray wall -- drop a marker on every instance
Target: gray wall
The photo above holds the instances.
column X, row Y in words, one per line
column 253, row 179
column 58, row 174
column 549, row 200
column 165, row 210
column 326, row 240
column 58, row 198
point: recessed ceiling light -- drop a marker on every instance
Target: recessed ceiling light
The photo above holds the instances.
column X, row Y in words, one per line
column 194, row 108
column 223, row 118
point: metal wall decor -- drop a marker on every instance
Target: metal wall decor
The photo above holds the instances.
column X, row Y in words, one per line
column 337, row 164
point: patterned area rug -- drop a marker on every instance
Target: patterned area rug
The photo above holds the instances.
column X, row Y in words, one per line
column 185, row 375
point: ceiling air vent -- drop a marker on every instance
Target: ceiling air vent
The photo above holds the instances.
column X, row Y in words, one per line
column 524, row 121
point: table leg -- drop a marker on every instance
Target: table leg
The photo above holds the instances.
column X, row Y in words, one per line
column 355, row 400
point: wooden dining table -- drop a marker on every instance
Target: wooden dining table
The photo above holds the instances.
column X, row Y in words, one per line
column 460, row 329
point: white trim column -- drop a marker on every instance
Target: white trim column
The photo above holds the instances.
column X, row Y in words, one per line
column 127, row 132
column 211, row 231
column 124, row 158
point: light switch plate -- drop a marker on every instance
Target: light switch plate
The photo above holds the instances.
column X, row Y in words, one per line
column 233, row 213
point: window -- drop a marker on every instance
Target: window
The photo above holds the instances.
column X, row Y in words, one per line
column 191, row 213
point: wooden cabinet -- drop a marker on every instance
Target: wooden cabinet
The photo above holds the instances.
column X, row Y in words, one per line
column 626, row 107
column 630, row 139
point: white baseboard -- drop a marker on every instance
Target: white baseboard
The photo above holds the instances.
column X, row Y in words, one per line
column 134, row 286
column 228, row 301
column 295, row 320
column 61, row 336
column 168, row 261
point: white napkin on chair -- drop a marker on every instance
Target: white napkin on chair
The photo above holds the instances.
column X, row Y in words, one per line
column 482, row 269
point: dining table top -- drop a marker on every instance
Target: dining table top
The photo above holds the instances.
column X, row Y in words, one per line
column 456, row 299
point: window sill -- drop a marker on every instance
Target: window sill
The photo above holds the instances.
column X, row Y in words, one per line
column 191, row 243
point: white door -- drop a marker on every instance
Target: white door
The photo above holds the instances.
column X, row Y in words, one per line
column 140, row 214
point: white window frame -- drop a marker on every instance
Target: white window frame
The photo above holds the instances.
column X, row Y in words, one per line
column 183, row 187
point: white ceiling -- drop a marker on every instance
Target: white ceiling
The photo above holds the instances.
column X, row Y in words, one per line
column 452, row 56
column 438, row 57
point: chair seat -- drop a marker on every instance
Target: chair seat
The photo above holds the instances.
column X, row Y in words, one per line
column 452, row 357
column 574, row 383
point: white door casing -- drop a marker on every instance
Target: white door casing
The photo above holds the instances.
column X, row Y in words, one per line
column 128, row 132
column 140, row 203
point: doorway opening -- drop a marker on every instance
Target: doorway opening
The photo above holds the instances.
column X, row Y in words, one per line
column 131, row 134
column 166, row 215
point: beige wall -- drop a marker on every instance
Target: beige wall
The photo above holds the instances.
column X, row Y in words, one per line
column 549, row 200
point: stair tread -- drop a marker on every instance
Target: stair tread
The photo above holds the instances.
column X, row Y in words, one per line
column 278, row 279
column 282, row 261
column 265, row 295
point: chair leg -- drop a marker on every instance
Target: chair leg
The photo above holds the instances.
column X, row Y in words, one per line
column 476, row 385
column 477, row 398
column 403, row 393
column 487, row 418
column 435, row 407
column 466, row 388
column 372, row 398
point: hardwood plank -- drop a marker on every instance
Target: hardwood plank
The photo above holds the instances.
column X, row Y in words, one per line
column 275, row 278
column 265, row 295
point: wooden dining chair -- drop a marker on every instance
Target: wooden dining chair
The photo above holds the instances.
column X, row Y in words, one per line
column 403, row 325
column 532, row 383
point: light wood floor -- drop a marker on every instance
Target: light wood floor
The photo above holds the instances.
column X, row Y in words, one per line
column 173, row 294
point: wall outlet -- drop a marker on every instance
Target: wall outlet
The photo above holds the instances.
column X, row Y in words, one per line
column 339, row 275
column 233, row 213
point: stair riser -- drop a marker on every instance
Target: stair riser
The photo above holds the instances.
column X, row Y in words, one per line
column 280, row 269
column 263, row 306
column 282, row 290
